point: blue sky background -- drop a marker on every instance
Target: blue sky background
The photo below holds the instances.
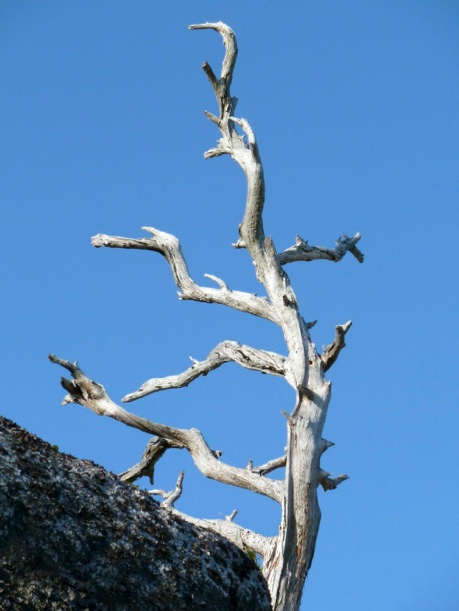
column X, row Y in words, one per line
column 355, row 105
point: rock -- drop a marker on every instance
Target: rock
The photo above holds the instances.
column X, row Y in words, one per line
column 74, row 536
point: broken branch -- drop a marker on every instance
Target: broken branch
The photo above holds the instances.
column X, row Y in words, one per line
column 331, row 352
column 276, row 463
column 155, row 449
column 174, row 495
column 302, row 251
column 331, row 483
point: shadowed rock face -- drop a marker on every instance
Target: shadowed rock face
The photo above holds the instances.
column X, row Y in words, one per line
column 73, row 536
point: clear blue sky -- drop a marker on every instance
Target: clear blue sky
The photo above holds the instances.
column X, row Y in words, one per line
column 355, row 105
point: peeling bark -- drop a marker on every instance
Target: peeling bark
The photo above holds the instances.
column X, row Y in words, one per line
column 288, row 555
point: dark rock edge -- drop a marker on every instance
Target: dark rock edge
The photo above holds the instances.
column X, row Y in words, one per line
column 74, row 536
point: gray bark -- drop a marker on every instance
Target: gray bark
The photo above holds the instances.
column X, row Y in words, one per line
column 288, row 555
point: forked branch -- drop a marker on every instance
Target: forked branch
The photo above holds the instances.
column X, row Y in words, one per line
column 222, row 85
column 86, row 392
column 243, row 149
column 169, row 498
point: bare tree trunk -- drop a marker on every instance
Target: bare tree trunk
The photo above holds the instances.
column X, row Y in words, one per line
column 288, row 555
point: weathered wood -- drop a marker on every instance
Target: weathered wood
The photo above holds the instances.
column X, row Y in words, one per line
column 170, row 497
column 227, row 351
column 91, row 394
column 302, row 251
column 287, row 556
column 169, row 247
column 155, row 449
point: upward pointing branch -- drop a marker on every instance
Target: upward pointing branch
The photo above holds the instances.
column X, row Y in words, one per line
column 243, row 150
column 331, row 352
column 221, row 86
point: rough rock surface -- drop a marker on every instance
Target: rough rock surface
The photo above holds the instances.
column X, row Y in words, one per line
column 73, row 536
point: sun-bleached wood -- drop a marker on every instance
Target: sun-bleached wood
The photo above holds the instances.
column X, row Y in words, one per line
column 169, row 247
column 302, row 251
column 91, row 394
column 169, row 498
column 250, row 358
column 287, row 556
column 246, row 539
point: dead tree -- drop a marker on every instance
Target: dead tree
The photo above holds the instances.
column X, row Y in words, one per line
column 287, row 556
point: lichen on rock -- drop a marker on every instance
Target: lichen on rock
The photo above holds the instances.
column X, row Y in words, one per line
column 74, row 536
